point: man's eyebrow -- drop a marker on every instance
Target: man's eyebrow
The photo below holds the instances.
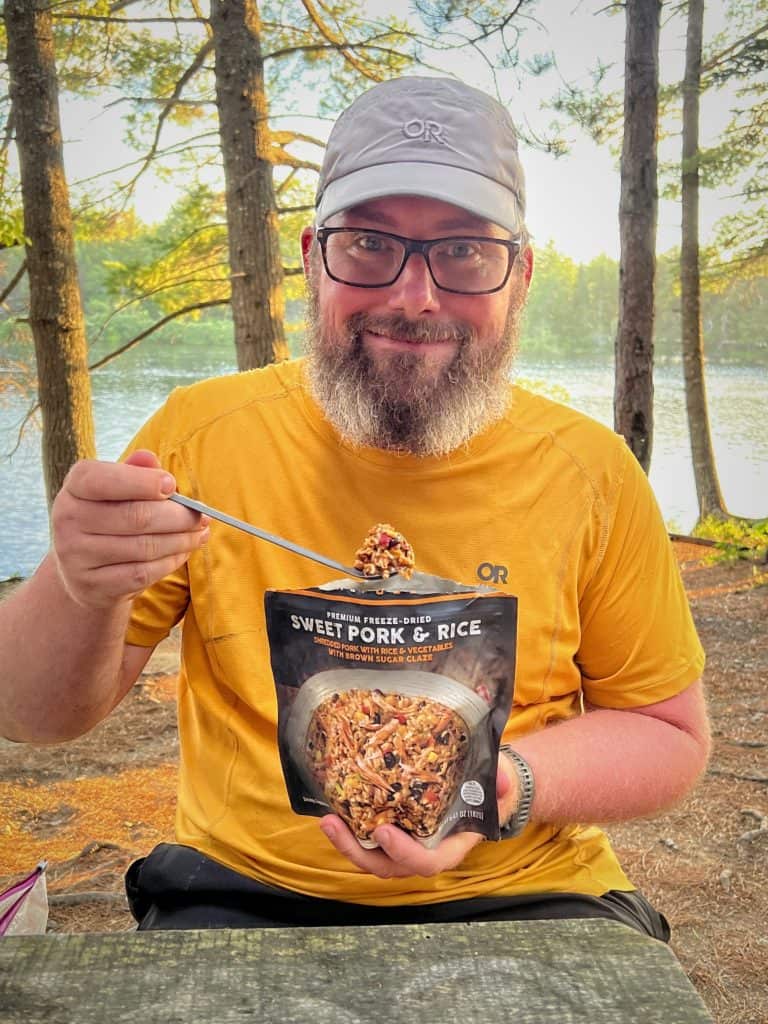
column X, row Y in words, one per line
column 367, row 212
column 464, row 223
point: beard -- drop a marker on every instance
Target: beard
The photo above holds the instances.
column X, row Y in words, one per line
column 399, row 401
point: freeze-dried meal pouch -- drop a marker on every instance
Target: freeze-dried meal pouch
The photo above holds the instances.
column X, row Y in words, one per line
column 392, row 697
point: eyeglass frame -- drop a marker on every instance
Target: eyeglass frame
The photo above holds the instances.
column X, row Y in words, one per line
column 422, row 246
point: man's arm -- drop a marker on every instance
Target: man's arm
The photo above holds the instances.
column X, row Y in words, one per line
column 613, row 765
column 606, row 765
column 65, row 663
column 65, row 666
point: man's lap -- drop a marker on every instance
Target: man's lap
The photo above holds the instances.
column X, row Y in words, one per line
column 176, row 887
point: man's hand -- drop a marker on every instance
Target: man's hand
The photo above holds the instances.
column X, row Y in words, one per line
column 115, row 533
column 399, row 855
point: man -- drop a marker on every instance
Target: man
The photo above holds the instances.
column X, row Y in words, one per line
column 417, row 269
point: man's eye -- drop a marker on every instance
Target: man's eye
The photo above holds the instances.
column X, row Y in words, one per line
column 370, row 243
column 460, row 250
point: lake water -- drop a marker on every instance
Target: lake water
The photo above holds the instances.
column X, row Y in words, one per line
column 127, row 391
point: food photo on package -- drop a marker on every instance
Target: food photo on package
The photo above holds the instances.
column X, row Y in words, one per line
column 392, row 696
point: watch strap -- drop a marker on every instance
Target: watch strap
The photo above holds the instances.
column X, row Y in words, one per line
column 522, row 814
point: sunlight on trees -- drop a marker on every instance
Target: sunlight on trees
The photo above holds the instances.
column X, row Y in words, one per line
column 153, row 62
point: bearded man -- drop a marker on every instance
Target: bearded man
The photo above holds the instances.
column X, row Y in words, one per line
column 401, row 410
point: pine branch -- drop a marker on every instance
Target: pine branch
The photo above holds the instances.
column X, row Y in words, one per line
column 340, row 47
column 195, row 66
column 720, row 58
column 190, row 277
column 108, row 19
column 493, row 29
column 338, row 43
column 296, row 209
column 155, row 327
column 13, row 282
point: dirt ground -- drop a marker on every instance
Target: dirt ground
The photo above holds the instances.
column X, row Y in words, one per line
column 91, row 806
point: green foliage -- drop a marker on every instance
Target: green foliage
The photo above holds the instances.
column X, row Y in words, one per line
column 734, row 73
column 182, row 262
column 736, row 68
column 735, row 538
column 11, row 223
column 153, row 61
column 11, row 213
column 295, row 198
column 85, row 37
column 572, row 309
column 599, row 114
column 127, row 277
column 132, row 274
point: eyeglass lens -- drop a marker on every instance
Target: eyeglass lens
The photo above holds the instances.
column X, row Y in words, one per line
column 371, row 258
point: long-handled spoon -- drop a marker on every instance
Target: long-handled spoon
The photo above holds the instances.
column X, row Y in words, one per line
column 273, row 538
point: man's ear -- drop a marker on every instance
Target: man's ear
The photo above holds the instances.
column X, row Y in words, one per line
column 527, row 257
column 307, row 237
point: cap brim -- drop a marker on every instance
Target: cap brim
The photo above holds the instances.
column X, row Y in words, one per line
column 466, row 189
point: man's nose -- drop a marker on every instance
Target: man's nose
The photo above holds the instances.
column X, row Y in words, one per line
column 414, row 292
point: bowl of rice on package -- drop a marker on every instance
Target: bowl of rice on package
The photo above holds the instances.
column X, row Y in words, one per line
column 392, row 694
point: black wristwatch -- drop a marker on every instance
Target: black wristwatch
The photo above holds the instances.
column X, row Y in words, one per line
column 522, row 815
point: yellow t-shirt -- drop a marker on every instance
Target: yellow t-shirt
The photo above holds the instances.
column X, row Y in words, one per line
column 546, row 504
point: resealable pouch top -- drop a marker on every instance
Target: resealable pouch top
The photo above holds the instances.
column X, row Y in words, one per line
column 392, row 697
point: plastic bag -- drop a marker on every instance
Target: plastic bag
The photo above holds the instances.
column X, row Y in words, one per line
column 392, row 701
column 24, row 905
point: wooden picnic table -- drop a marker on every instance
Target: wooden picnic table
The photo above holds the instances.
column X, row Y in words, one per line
column 538, row 972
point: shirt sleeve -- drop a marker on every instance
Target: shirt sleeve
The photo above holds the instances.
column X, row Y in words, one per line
column 639, row 643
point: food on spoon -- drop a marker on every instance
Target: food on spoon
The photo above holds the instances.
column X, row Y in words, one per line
column 382, row 758
column 385, row 551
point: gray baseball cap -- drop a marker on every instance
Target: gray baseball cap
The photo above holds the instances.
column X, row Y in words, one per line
column 434, row 137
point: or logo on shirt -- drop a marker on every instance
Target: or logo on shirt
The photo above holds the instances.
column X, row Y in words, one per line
column 489, row 573
column 425, row 131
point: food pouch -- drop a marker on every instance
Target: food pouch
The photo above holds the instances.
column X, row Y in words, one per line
column 392, row 701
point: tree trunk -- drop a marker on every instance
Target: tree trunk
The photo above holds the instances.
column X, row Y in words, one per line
column 705, row 474
column 633, row 396
column 55, row 309
column 254, row 245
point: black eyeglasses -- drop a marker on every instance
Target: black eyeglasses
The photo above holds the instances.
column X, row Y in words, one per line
column 466, row 264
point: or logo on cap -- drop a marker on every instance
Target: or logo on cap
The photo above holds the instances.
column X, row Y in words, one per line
column 425, row 131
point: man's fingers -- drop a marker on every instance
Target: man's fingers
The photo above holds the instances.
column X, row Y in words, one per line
column 119, row 481
column 128, row 518
column 108, row 583
column 114, row 531
column 416, row 859
column 373, row 861
column 404, row 851
column 398, row 856
column 98, row 550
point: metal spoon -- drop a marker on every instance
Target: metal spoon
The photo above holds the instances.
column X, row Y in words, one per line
column 273, row 538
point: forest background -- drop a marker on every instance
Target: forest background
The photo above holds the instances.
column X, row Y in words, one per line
column 571, row 312
column 151, row 218
column 146, row 182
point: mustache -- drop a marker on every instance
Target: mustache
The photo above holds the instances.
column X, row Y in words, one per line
column 401, row 327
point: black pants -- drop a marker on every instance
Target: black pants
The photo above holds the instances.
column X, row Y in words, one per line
column 177, row 887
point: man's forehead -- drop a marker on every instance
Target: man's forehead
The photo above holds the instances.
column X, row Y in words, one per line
column 388, row 212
